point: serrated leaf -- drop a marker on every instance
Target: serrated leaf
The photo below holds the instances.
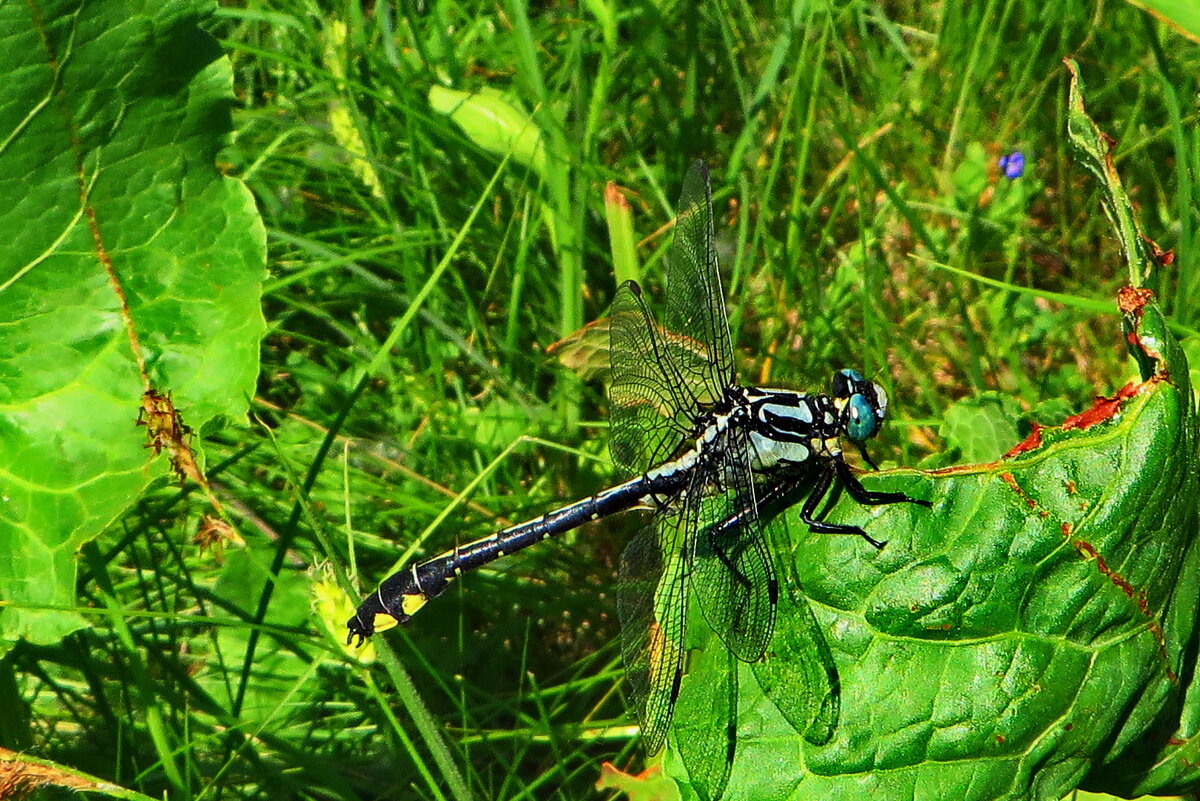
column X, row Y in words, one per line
column 130, row 264
column 331, row 608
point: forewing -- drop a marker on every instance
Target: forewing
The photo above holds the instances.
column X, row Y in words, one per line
column 732, row 573
column 695, row 306
column 651, row 410
column 652, row 605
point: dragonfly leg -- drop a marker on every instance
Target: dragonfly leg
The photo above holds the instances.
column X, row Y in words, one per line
column 823, row 483
column 868, row 497
column 866, row 457
column 718, row 549
column 742, row 590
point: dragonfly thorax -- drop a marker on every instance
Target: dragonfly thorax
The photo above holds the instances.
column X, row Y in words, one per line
column 789, row 428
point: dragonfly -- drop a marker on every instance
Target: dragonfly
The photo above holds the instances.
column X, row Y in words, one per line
column 707, row 457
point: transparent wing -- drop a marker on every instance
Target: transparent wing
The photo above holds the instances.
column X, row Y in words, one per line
column 695, row 305
column 652, row 606
column 662, row 377
column 650, row 406
column 732, row 573
column 797, row 672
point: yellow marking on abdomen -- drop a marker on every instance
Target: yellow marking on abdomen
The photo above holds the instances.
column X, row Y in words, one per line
column 410, row 604
column 384, row 621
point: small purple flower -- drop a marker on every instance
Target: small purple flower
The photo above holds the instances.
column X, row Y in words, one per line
column 1013, row 165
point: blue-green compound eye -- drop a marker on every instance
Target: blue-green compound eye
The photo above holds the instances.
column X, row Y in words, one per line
column 862, row 423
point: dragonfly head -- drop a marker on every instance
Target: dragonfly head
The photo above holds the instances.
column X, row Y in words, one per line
column 863, row 404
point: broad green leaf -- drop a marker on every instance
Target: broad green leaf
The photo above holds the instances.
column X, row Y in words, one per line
column 279, row 682
column 797, row 674
column 130, row 264
column 704, row 713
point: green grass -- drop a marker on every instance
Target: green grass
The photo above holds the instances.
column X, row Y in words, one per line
column 417, row 277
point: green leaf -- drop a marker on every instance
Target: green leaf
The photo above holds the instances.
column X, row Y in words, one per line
column 494, row 122
column 971, row 177
column 621, row 240
column 276, row 673
column 343, row 124
column 705, row 710
column 982, row 428
column 130, row 263
column 1182, row 15
column 1095, row 149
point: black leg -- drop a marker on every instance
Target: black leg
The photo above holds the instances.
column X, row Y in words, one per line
column 865, row 496
column 862, row 449
column 717, row 548
column 820, row 487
